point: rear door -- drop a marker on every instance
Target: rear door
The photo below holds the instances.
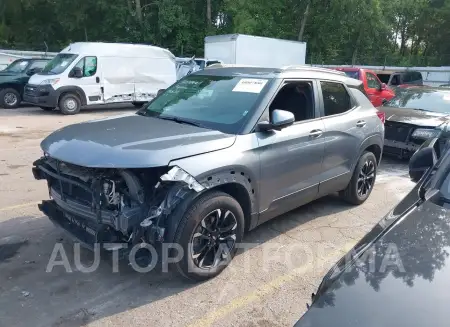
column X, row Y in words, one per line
column 345, row 128
column 90, row 82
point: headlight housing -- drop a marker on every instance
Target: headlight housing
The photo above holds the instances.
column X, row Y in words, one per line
column 50, row 81
column 424, row 133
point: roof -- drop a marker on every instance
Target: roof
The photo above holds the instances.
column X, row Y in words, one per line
column 300, row 71
column 230, row 37
column 119, row 50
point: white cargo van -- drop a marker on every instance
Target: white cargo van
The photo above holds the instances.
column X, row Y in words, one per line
column 255, row 50
column 89, row 73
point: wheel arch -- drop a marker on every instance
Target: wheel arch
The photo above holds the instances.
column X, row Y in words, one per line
column 74, row 90
column 374, row 144
column 240, row 189
column 19, row 88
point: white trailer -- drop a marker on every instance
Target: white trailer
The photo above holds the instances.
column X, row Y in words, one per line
column 255, row 50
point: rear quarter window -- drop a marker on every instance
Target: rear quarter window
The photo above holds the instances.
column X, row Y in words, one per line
column 360, row 97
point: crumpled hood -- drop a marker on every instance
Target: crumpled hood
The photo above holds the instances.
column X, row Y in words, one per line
column 414, row 116
column 131, row 141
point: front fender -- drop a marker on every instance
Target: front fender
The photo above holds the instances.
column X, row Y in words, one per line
column 231, row 165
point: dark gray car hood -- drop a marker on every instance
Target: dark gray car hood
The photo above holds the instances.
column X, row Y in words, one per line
column 416, row 296
column 414, row 116
column 131, row 141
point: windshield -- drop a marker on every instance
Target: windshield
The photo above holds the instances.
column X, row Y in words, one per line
column 352, row 74
column 222, row 103
column 17, row 66
column 58, row 64
column 422, row 99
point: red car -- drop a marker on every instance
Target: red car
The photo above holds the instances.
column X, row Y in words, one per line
column 376, row 91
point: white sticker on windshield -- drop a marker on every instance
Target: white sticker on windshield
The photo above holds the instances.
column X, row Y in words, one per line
column 64, row 63
column 250, row 85
column 23, row 63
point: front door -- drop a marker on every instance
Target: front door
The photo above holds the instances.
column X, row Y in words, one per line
column 374, row 89
column 90, row 82
column 291, row 159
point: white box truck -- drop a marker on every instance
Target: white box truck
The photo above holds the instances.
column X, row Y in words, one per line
column 91, row 73
column 255, row 50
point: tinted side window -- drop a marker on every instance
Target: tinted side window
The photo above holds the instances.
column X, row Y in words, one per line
column 296, row 97
column 336, row 99
column 417, row 76
column 88, row 66
column 406, row 78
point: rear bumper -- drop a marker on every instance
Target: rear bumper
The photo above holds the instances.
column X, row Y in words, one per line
column 41, row 95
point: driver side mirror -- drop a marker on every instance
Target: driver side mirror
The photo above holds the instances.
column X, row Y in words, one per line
column 160, row 91
column 420, row 162
column 280, row 119
column 33, row 71
column 76, row 72
column 383, row 87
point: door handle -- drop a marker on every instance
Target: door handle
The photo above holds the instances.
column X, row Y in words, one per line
column 315, row 133
column 97, row 79
column 361, row 123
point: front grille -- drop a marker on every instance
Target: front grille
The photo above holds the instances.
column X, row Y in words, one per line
column 66, row 185
column 72, row 191
column 36, row 90
column 397, row 131
column 31, row 90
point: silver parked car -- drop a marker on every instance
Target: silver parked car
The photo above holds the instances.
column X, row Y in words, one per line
column 218, row 153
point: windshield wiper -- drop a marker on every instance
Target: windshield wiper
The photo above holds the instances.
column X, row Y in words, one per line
column 181, row 121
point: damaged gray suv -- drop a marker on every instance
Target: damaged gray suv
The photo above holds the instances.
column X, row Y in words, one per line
column 213, row 156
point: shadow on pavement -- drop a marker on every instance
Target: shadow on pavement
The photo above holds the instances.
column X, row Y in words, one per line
column 61, row 298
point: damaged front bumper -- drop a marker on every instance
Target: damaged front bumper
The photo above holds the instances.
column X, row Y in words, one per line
column 112, row 206
column 400, row 149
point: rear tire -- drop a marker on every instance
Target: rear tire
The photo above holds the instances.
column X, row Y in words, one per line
column 363, row 180
column 69, row 104
column 197, row 232
column 9, row 98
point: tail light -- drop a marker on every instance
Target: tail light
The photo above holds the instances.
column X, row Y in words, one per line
column 382, row 116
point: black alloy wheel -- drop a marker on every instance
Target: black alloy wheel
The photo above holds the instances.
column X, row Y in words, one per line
column 214, row 239
column 366, row 178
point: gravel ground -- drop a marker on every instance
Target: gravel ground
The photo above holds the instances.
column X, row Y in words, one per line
column 268, row 284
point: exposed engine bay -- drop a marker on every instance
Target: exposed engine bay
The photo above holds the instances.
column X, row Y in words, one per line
column 108, row 205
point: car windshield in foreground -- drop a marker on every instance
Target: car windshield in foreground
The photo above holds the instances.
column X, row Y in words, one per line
column 422, row 99
column 222, row 103
column 17, row 66
column 352, row 74
column 58, row 64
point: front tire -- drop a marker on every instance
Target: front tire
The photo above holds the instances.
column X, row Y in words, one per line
column 208, row 234
column 69, row 104
column 363, row 179
column 9, row 98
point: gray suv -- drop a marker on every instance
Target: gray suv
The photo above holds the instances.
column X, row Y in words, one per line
column 217, row 154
